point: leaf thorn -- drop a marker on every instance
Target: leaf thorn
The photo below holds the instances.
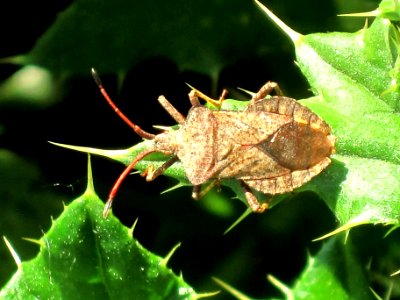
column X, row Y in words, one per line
column 13, row 253
column 132, row 229
column 165, row 260
column 293, row 35
column 281, row 286
column 230, row 289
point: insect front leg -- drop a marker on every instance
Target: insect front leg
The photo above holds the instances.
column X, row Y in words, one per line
column 174, row 113
column 265, row 90
column 254, row 204
column 152, row 173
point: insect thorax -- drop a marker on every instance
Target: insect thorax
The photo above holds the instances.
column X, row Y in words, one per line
column 166, row 142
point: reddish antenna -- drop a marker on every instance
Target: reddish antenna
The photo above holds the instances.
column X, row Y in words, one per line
column 139, row 131
column 122, row 177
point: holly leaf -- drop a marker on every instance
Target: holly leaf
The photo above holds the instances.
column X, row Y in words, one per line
column 355, row 76
column 84, row 256
column 324, row 276
column 25, row 202
column 115, row 36
column 331, row 265
column 138, row 30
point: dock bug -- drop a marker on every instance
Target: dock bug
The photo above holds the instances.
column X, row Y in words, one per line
column 273, row 146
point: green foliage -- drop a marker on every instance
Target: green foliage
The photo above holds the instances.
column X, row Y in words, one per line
column 327, row 274
column 355, row 78
column 358, row 97
column 191, row 31
column 84, row 256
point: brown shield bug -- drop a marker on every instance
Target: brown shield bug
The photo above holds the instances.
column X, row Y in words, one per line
column 273, row 146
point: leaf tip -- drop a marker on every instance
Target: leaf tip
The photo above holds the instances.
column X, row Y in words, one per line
column 90, row 185
column 14, row 253
column 205, row 295
column 247, row 212
column 246, row 91
column 345, row 227
column 113, row 154
column 177, row 186
column 372, row 13
column 17, row 60
column 132, row 229
column 281, row 286
column 230, row 289
column 393, row 228
column 166, row 259
column 395, row 273
column 293, row 35
column 34, row 241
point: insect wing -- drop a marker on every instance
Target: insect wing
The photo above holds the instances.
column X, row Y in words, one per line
column 238, row 137
column 196, row 141
column 287, row 182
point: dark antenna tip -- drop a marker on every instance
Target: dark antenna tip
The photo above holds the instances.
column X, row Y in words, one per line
column 96, row 77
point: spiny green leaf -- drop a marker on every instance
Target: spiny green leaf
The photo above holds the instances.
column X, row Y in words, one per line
column 132, row 31
column 22, row 198
column 334, row 273
column 84, row 256
column 356, row 80
column 125, row 156
column 356, row 194
column 389, row 9
column 355, row 76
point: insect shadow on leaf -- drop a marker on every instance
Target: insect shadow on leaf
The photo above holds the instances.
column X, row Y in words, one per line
column 273, row 146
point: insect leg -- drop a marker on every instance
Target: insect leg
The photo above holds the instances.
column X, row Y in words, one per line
column 196, row 192
column 266, row 89
column 254, row 204
column 195, row 94
column 199, row 193
column 176, row 115
column 151, row 173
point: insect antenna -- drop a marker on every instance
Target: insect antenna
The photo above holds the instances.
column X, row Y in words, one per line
column 139, row 131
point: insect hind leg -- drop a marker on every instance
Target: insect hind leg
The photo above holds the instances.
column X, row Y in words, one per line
column 199, row 192
column 254, row 204
column 266, row 89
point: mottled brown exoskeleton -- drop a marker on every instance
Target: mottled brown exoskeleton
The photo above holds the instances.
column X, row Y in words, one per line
column 273, row 146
